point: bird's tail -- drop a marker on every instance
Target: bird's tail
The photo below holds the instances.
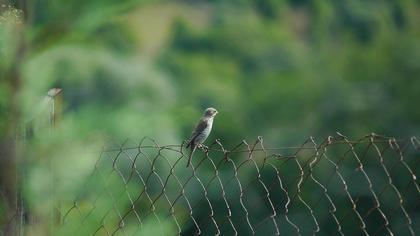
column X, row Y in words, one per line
column 191, row 154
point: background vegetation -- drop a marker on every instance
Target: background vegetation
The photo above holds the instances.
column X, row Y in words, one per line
column 284, row 69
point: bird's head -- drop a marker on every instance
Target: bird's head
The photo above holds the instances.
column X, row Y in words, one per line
column 210, row 112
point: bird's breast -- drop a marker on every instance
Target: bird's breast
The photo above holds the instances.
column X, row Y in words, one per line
column 209, row 125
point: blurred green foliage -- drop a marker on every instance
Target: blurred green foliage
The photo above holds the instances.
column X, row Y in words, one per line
column 283, row 69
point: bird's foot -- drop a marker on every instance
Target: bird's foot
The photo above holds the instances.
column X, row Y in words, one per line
column 202, row 146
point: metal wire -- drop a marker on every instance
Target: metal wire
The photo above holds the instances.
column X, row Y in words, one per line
column 339, row 186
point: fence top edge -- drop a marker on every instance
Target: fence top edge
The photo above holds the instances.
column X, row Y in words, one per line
column 309, row 144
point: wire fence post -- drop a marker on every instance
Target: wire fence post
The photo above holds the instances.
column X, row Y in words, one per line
column 54, row 116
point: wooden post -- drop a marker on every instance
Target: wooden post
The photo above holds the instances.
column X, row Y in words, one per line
column 9, row 174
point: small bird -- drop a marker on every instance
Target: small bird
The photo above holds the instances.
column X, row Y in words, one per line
column 201, row 131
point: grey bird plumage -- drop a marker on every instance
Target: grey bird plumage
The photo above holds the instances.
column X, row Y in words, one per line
column 202, row 131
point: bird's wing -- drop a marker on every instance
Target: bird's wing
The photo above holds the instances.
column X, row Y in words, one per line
column 199, row 128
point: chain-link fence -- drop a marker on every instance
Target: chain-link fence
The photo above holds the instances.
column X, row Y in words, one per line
column 337, row 186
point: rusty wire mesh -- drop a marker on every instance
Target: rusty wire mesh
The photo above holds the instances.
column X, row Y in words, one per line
column 335, row 187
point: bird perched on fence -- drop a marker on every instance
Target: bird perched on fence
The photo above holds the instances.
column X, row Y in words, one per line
column 201, row 131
